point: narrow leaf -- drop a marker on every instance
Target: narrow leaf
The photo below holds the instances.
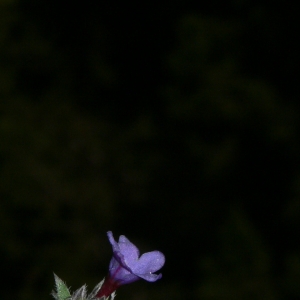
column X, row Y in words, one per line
column 95, row 291
column 80, row 294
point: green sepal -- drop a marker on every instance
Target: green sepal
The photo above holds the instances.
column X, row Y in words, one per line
column 62, row 292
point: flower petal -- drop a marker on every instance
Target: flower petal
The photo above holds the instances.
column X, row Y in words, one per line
column 151, row 277
column 126, row 277
column 120, row 274
column 148, row 263
column 113, row 265
column 129, row 251
column 114, row 244
column 119, row 257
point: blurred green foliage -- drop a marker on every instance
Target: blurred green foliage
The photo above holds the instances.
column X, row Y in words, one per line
column 207, row 171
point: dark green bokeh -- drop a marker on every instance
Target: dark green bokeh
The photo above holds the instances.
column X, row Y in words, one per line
column 177, row 127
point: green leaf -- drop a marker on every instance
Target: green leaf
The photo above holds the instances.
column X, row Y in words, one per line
column 62, row 291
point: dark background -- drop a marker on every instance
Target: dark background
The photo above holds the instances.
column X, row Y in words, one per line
column 173, row 124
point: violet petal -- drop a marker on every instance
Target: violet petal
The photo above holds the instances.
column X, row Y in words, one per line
column 148, row 263
column 150, row 277
column 129, row 251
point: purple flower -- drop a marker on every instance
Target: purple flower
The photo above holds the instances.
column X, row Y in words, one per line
column 126, row 266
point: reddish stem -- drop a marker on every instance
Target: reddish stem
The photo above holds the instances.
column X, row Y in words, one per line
column 109, row 285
